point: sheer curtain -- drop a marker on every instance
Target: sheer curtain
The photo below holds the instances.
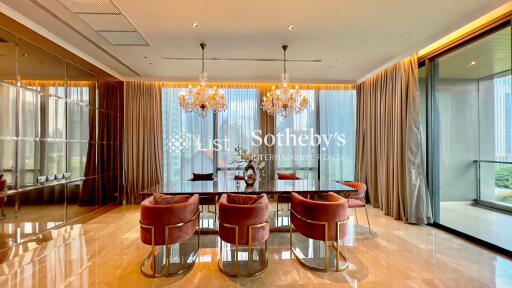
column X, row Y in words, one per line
column 236, row 125
column 337, row 119
column 187, row 139
column 291, row 157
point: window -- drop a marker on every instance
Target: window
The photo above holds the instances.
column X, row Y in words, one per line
column 236, row 125
column 292, row 157
column 187, row 139
column 338, row 123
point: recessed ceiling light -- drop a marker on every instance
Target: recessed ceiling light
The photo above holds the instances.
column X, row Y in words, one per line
column 24, row 55
column 472, row 63
column 291, row 28
column 144, row 57
column 150, row 63
column 195, row 25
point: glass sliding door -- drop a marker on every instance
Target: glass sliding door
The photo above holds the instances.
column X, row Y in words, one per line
column 471, row 138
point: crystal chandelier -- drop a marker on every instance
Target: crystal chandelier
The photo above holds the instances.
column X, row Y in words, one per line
column 201, row 98
column 284, row 101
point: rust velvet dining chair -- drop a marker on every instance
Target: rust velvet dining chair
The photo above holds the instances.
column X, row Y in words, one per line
column 358, row 200
column 164, row 221
column 324, row 220
column 244, row 221
column 284, row 198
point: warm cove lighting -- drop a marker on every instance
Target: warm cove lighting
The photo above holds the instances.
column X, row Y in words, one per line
column 473, row 26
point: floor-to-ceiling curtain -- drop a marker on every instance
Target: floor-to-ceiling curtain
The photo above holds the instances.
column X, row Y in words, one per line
column 292, row 157
column 389, row 156
column 236, row 125
column 268, row 127
column 187, row 138
column 337, row 158
column 143, row 144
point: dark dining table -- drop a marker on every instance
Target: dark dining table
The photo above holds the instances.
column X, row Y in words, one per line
column 218, row 187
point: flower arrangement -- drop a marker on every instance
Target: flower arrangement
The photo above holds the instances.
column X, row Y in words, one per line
column 247, row 157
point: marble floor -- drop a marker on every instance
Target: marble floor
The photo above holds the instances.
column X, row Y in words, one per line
column 106, row 252
column 485, row 224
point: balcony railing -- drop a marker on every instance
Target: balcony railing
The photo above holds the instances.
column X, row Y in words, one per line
column 494, row 184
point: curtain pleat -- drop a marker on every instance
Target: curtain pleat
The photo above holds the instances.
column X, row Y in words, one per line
column 388, row 152
column 143, row 138
column 268, row 127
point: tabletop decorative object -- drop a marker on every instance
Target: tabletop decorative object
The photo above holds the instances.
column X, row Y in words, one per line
column 254, row 165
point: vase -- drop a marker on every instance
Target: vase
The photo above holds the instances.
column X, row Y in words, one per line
column 250, row 174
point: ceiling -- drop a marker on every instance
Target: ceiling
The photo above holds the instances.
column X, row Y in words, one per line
column 485, row 57
column 352, row 38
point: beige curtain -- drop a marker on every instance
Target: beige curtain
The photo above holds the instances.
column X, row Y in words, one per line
column 143, row 138
column 388, row 153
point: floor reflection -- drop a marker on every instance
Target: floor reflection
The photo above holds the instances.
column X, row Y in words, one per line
column 107, row 252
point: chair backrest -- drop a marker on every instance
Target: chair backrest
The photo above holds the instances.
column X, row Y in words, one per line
column 287, row 176
column 159, row 216
column 331, row 211
column 361, row 190
column 243, row 215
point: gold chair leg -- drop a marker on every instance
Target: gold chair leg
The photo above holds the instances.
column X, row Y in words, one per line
column 249, row 253
column 368, row 219
column 236, row 256
column 291, row 240
column 153, row 252
column 326, row 242
column 337, row 247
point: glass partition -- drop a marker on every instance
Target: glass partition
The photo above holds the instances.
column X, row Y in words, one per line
column 472, row 137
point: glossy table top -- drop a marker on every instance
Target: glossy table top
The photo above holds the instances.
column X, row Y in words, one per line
column 220, row 186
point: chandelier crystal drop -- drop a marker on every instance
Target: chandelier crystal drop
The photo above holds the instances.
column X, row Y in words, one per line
column 202, row 98
column 285, row 100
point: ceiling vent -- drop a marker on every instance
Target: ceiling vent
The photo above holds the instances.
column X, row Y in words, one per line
column 108, row 20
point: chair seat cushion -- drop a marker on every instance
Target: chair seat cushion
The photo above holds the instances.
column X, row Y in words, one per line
column 354, row 203
column 161, row 199
column 202, row 176
column 244, row 199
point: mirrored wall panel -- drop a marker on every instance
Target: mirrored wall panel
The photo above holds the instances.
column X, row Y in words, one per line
column 56, row 140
